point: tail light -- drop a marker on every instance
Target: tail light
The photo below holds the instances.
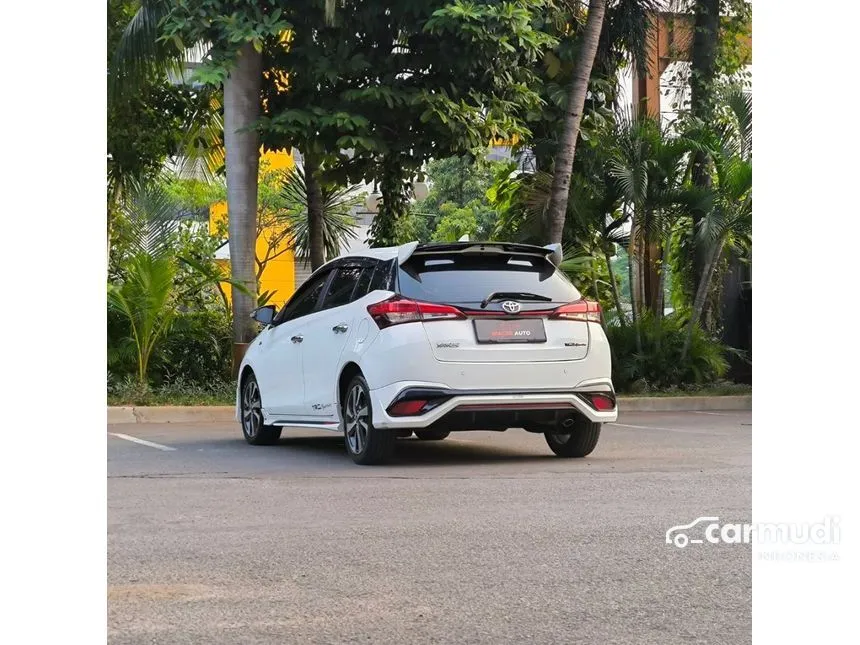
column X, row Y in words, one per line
column 584, row 310
column 602, row 402
column 397, row 310
column 407, row 408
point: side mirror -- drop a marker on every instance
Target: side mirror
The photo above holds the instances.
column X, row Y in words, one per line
column 264, row 315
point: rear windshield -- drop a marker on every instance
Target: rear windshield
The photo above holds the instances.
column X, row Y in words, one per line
column 468, row 279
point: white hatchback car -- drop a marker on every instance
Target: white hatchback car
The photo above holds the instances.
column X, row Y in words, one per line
column 431, row 339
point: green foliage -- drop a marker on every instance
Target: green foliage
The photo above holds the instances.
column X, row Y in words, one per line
column 166, row 312
column 590, row 276
column 338, row 224
column 197, row 349
column 659, row 364
column 148, row 123
column 458, row 183
column 521, row 202
column 144, row 300
column 194, row 194
column 455, row 223
column 225, row 25
column 125, row 391
column 622, row 42
column 396, row 188
column 433, row 79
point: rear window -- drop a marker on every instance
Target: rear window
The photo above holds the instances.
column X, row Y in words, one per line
column 468, row 279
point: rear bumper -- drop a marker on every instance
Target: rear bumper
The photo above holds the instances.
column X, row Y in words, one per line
column 488, row 409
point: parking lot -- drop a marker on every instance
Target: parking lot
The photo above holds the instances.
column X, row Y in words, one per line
column 481, row 538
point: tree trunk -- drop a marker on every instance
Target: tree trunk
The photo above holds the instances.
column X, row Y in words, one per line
column 702, row 295
column 631, row 276
column 664, row 258
column 651, row 271
column 575, row 104
column 703, row 69
column 315, row 212
column 393, row 185
column 241, row 110
column 632, row 273
column 615, row 297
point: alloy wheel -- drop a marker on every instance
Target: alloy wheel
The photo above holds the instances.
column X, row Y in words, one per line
column 356, row 419
column 252, row 411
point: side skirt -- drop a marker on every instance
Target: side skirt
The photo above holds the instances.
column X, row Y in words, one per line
column 333, row 426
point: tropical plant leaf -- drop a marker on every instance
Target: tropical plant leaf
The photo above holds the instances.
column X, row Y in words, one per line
column 339, row 226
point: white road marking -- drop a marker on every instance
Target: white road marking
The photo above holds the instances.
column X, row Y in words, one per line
column 142, row 442
column 683, row 430
column 716, row 414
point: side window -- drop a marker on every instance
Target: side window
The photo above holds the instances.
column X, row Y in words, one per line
column 381, row 277
column 305, row 300
column 341, row 288
column 362, row 287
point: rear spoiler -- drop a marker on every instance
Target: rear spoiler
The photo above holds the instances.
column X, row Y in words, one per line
column 551, row 251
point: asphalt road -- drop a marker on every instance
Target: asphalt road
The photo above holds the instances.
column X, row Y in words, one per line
column 481, row 538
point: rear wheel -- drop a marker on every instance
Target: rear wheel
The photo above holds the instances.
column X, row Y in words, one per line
column 364, row 443
column 254, row 430
column 576, row 441
column 431, row 435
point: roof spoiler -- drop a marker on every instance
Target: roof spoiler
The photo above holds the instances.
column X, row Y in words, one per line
column 556, row 255
column 551, row 251
column 405, row 251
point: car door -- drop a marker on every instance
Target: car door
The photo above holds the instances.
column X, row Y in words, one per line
column 328, row 332
column 279, row 368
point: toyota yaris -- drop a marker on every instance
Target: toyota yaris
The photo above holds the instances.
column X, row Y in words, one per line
column 431, row 339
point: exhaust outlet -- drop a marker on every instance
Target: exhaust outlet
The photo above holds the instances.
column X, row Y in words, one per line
column 568, row 423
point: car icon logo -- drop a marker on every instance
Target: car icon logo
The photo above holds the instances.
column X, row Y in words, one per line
column 510, row 306
column 677, row 535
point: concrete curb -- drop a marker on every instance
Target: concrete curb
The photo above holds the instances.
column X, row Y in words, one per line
column 226, row 413
column 683, row 403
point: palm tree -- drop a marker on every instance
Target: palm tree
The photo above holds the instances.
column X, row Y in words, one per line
column 628, row 166
column 728, row 146
column 575, row 104
column 142, row 49
column 143, row 293
column 651, row 166
column 144, row 299
column 336, row 224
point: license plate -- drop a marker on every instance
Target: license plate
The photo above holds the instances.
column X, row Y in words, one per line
column 521, row 330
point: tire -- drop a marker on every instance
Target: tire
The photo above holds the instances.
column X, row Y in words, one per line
column 431, row 435
column 251, row 416
column 577, row 441
column 365, row 444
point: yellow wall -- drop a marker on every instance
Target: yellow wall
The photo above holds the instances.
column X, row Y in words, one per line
column 280, row 273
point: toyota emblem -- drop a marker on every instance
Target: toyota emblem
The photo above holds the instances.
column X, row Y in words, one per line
column 511, row 307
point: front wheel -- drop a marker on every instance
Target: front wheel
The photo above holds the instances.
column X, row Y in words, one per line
column 364, row 443
column 254, row 430
column 576, row 441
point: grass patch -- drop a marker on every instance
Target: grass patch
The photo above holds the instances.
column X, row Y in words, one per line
column 714, row 389
column 129, row 393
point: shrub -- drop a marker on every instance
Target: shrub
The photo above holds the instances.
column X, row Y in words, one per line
column 198, row 349
column 658, row 366
column 178, row 392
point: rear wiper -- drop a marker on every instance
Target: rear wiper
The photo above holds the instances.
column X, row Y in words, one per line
column 519, row 295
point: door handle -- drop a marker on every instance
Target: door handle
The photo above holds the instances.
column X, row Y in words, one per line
column 297, row 339
column 340, row 328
